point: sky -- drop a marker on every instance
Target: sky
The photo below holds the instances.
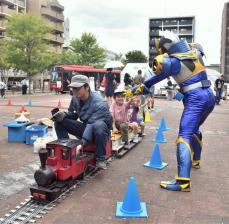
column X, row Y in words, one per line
column 123, row 25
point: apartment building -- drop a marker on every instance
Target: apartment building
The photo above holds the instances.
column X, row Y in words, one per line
column 7, row 8
column 52, row 10
column 224, row 56
column 66, row 34
column 184, row 27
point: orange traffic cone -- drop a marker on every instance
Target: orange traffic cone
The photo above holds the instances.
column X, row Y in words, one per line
column 9, row 103
column 59, row 105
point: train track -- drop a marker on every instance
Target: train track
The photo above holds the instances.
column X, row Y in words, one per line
column 29, row 210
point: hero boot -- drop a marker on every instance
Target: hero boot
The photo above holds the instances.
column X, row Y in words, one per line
column 176, row 185
column 196, row 164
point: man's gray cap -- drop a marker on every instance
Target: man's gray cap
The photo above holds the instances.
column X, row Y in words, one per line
column 78, row 81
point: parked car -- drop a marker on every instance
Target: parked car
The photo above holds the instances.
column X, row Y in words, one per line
column 14, row 85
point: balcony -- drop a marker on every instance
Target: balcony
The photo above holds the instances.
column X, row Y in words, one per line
column 155, row 23
column 55, row 15
column 174, row 30
column 55, row 38
column 4, row 10
column 186, row 22
column 154, row 33
column 185, row 32
column 57, row 6
column 9, row 2
column 57, row 27
column 2, row 25
column 172, row 22
column 188, row 39
column 21, row 3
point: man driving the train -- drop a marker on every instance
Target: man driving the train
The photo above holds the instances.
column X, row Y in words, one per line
column 88, row 118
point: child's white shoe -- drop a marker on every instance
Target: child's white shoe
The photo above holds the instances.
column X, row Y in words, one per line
column 135, row 140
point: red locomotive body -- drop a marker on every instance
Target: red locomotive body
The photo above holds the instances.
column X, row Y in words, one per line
column 61, row 165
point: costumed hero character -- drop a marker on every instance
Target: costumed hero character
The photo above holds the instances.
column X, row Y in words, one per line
column 184, row 63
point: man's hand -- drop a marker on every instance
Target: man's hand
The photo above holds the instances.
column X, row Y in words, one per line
column 59, row 116
column 78, row 150
column 54, row 110
column 79, row 147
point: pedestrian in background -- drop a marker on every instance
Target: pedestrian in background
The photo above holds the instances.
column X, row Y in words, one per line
column 224, row 96
column 2, row 89
column 219, row 83
column 169, row 88
column 128, row 81
column 110, row 86
column 24, row 84
column 102, row 87
column 150, row 98
column 138, row 79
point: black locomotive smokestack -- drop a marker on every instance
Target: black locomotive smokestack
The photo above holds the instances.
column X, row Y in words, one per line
column 43, row 154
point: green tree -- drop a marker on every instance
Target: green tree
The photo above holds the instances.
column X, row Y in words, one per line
column 118, row 57
column 4, row 65
column 28, row 49
column 88, row 50
column 135, row 57
column 66, row 57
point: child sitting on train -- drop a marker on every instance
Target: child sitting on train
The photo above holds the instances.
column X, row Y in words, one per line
column 137, row 115
column 119, row 110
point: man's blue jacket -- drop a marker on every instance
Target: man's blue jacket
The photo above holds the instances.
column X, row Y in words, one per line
column 94, row 109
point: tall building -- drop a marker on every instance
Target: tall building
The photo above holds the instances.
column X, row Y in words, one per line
column 184, row 27
column 66, row 33
column 224, row 57
column 7, row 8
column 53, row 12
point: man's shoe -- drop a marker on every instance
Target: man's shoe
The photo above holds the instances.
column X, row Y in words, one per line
column 176, row 185
column 101, row 165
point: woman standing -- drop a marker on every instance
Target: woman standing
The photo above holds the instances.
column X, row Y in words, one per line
column 110, row 86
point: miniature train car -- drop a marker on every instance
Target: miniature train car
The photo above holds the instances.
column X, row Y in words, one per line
column 61, row 164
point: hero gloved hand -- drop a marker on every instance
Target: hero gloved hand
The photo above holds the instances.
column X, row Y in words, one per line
column 137, row 90
column 58, row 115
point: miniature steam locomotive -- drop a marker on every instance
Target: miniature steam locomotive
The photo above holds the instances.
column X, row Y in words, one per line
column 61, row 165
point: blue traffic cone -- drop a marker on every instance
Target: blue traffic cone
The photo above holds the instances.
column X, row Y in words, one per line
column 163, row 125
column 155, row 162
column 29, row 103
column 159, row 137
column 131, row 207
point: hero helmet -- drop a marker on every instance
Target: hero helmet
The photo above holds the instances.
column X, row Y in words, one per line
column 198, row 47
column 169, row 43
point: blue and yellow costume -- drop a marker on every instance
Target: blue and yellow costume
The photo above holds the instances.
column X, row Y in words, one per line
column 186, row 66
